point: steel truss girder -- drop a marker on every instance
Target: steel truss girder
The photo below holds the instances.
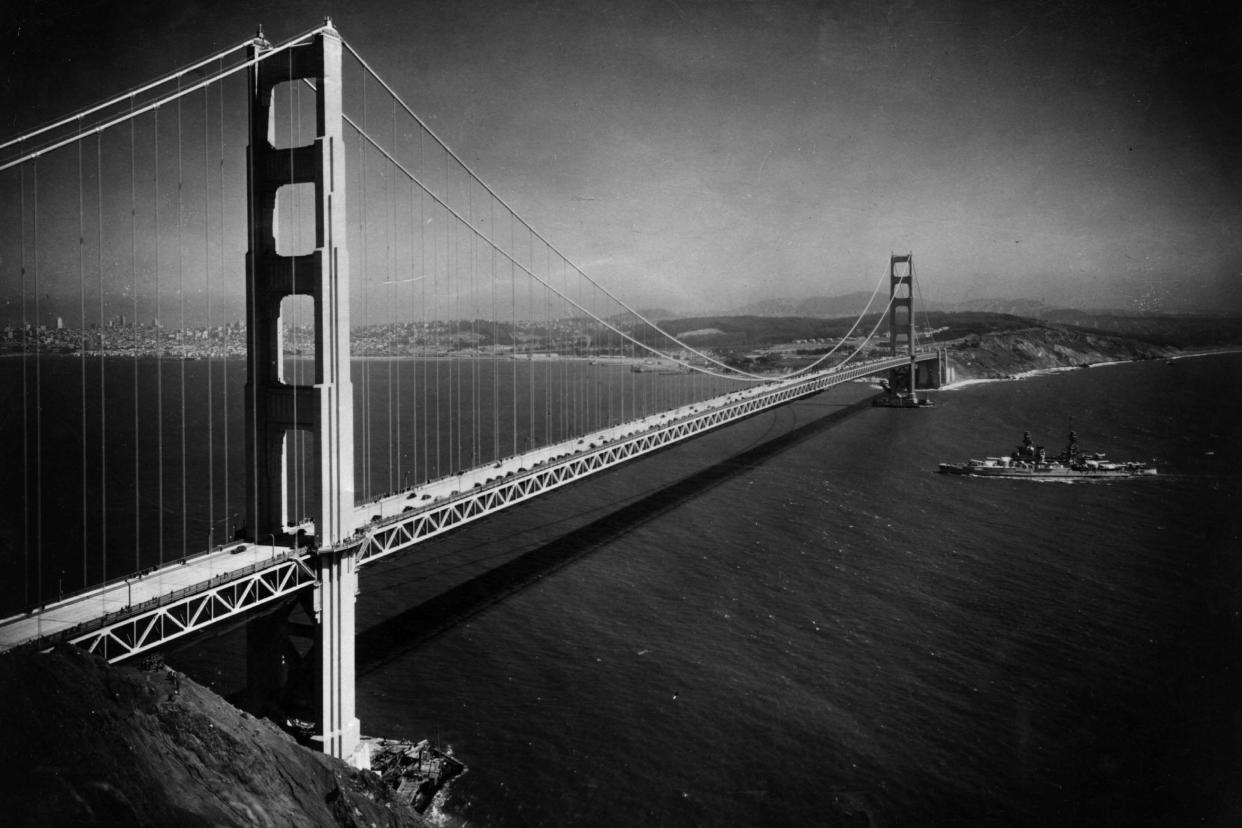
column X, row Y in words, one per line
column 401, row 532
column 238, row 593
column 152, row 628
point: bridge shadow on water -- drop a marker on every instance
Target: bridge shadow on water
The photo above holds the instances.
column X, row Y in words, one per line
column 408, row 630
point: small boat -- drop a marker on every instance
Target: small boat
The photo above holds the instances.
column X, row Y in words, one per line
column 1029, row 461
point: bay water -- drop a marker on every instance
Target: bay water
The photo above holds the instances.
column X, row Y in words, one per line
column 797, row 621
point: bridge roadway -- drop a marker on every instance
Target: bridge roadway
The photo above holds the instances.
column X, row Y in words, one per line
column 123, row 618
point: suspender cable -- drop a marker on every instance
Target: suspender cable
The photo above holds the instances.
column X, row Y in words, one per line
column 564, row 360
column 423, row 337
column 437, row 389
column 417, row 403
column 133, row 269
column 456, row 290
column 181, row 331
column 38, row 384
column 385, row 276
column 474, row 340
column 455, row 368
column 103, row 388
column 252, row 322
column 513, row 350
column 531, row 317
column 547, row 363
column 476, row 343
column 21, row 177
column 159, row 349
column 211, row 394
column 82, row 337
column 395, row 320
column 495, row 344
column 366, row 369
column 224, row 382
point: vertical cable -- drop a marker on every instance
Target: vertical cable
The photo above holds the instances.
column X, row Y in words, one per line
column 396, row 316
column 567, row 329
column 38, row 384
column 103, row 397
column 585, row 346
column 452, row 268
column 547, row 363
column 82, row 334
column 436, row 387
column 425, row 472
column 389, row 187
column 495, row 343
column 366, row 370
column 474, row 324
column 532, row 320
column 159, row 346
column 181, row 330
column 422, row 460
column 513, row 353
column 414, row 355
column 133, row 270
column 252, row 324
column 21, row 177
column 224, row 381
column 211, row 351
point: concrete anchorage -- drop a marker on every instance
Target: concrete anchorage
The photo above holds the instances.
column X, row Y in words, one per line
column 275, row 407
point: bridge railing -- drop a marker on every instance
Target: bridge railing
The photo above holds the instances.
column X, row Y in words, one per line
column 45, row 641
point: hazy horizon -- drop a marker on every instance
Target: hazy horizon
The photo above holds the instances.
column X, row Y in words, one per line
column 707, row 156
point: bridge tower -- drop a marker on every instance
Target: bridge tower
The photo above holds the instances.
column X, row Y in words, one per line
column 901, row 304
column 276, row 407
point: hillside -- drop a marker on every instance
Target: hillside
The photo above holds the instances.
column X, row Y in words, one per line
column 86, row 743
column 1005, row 353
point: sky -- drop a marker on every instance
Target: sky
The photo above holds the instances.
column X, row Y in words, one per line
column 700, row 156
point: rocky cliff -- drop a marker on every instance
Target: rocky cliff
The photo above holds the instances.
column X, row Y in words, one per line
column 85, row 743
column 1006, row 353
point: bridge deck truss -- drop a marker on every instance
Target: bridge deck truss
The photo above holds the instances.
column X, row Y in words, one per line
column 147, row 628
column 386, row 537
column 122, row 634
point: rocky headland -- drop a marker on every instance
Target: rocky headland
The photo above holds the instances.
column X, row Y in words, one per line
column 1002, row 354
column 87, row 743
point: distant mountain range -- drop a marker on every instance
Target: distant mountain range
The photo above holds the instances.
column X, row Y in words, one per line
column 782, row 320
column 849, row 304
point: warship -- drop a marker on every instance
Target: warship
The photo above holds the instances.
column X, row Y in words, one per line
column 1030, row 461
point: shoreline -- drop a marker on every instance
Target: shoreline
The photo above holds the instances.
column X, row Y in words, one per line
column 957, row 385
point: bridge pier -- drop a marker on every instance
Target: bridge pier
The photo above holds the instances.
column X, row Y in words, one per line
column 334, row 597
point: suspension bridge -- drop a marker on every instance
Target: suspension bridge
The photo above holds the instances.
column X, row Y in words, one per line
column 268, row 328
